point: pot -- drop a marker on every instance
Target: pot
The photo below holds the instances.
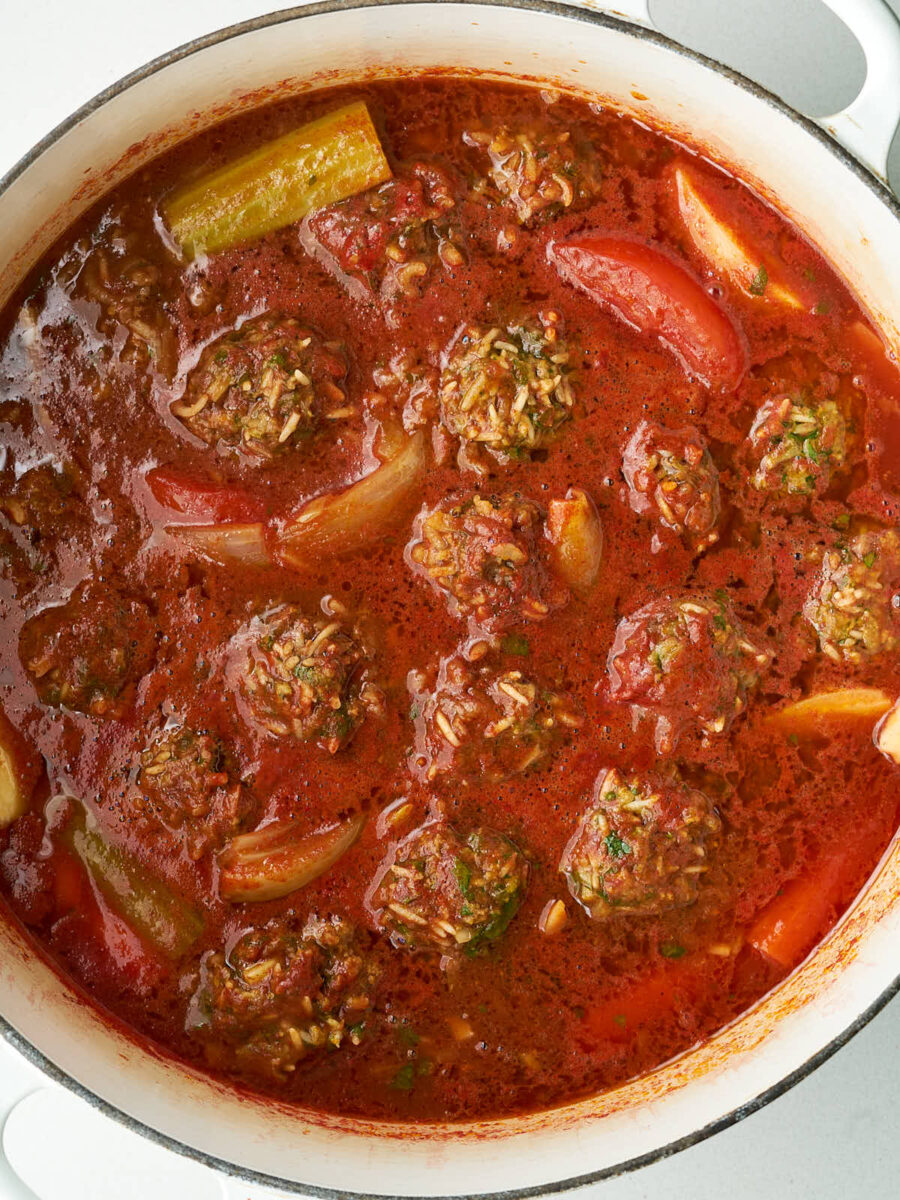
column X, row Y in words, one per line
column 843, row 207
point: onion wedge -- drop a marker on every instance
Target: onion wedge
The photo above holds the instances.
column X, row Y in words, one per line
column 807, row 716
column 273, row 861
column 573, row 526
column 226, row 544
column 725, row 251
column 344, row 522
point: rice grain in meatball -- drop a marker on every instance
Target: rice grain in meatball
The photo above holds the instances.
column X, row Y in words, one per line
column 446, row 892
column 641, row 847
column 507, row 389
column 854, row 605
column 488, row 555
column 304, row 677
column 672, row 478
column 687, row 661
column 265, row 388
column 281, row 993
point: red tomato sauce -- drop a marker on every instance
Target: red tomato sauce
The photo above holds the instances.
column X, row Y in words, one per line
column 510, row 1012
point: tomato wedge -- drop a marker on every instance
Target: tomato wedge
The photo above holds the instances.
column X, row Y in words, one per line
column 203, row 500
column 649, row 289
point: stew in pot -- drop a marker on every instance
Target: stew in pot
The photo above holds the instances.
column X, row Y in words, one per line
column 450, row 586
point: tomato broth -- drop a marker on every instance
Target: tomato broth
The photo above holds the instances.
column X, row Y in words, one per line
column 417, row 611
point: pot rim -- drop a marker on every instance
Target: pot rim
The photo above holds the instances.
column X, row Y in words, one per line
column 882, row 192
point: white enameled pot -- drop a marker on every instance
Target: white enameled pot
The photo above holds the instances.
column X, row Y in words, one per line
column 843, row 206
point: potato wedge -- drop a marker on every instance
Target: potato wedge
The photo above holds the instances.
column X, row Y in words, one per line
column 726, row 251
column 13, row 801
column 573, row 526
column 17, row 776
column 887, row 734
column 807, row 716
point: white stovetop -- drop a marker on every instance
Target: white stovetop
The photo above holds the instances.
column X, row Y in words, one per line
column 835, row 1136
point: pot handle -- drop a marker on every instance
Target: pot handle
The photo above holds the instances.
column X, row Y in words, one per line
column 867, row 126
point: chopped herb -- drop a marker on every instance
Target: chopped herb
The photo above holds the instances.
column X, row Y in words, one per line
column 823, row 308
column 515, row 643
column 759, row 281
column 615, row 846
column 463, row 874
column 620, row 1019
column 414, row 712
column 407, row 1037
column 312, row 179
column 405, row 1078
column 671, row 950
column 869, row 559
column 841, row 522
column 793, row 739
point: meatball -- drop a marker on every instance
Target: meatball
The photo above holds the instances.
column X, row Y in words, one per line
column 445, row 892
column 477, row 719
column 44, row 512
column 538, row 172
column 132, row 291
column 264, row 389
column 800, row 444
column 485, row 554
column 183, row 786
column 671, row 477
column 304, row 678
column 88, row 653
column 507, row 389
column 688, row 662
column 282, row 992
column 641, row 846
column 402, row 229
column 854, row 605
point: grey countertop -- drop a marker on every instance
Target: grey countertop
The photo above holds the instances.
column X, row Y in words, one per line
column 835, row 1135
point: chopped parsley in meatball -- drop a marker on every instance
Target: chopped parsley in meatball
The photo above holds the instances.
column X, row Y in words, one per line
column 800, row 443
column 184, row 786
column 446, row 892
column 88, row 653
column 672, row 478
column 283, row 992
column 507, row 389
column 537, row 171
column 304, row 677
column 642, row 846
column 479, row 718
column 687, row 661
column 486, row 554
column 264, row 388
column 854, row 606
